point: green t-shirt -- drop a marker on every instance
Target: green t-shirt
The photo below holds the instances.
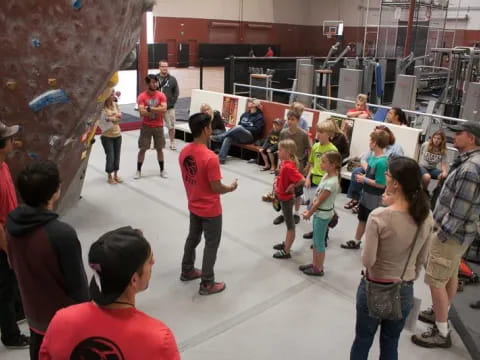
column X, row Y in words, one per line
column 315, row 159
column 331, row 184
column 372, row 196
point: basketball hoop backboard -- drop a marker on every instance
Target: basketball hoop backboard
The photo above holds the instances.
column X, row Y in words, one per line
column 332, row 28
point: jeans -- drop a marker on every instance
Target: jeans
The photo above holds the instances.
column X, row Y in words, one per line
column 112, row 150
column 237, row 135
column 212, row 230
column 355, row 188
column 390, row 330
column 8, row 298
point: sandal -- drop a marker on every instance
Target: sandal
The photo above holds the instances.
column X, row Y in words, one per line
column 268, row 197
column 313, row 272
column 118, row 179
column 352, row 203
column 351, row 245
column 111, row 181
column 355, row 209
column 264, row 169
column 305, row 267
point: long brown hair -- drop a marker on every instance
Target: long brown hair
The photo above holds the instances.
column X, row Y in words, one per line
column 442, row 148
column 291, row 148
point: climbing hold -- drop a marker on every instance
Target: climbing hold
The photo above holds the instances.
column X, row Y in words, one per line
column 18, row 143
column 48, row 98
column 52, row 83
column 32, row 155
column 84, row 155
column 11, row 84
column 36, row 43
column 77, row 4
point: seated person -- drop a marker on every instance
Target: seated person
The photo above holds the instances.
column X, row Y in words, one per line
column 270, row 146
column 360, row 110
column 249, row 129
column 396, row 116
column 432, row 154
column 218, row 124
column 340, row 140
column 299, row 108
column 393, row 149
column 110, row 327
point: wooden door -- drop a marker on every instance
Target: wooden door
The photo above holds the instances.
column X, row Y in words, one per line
column 193, row 45
column 172, row 52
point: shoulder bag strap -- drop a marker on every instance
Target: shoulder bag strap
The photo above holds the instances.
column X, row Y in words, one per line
column 411, row 251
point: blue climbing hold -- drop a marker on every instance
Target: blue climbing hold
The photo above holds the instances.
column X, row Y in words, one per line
column 35, row 42
column 77, row 4
column 33, row 156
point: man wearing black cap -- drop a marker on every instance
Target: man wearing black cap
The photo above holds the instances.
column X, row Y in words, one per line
column 110, row 327
column 152, row 105
column 44, row 252
column 10, row 333
column 456, row 215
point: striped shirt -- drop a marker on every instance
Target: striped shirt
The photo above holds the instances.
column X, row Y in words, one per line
column 458, row 207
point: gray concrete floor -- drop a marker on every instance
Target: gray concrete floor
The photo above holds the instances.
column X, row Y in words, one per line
column 269, row 310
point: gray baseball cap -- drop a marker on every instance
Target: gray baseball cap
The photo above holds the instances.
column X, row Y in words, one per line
column 7, row 131
column 470, row 126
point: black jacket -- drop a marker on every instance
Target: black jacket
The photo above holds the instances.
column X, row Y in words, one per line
column 253, row 122
column 47, row 258
column 169, row 86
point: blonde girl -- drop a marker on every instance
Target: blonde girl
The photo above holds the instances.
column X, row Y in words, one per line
column 322, row 210
column 112, row 139
column 433, row 154
column 288, row 179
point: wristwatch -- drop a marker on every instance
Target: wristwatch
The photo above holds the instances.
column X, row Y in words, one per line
column 148, row 109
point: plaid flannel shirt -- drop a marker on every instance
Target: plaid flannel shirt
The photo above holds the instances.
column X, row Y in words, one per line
column 458, row 207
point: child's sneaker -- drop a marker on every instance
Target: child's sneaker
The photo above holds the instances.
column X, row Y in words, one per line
column 211, row 288
column 280, row 246
column 282, row 254
column 192, row 275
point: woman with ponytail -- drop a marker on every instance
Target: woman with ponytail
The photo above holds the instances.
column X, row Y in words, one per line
column 395, row 235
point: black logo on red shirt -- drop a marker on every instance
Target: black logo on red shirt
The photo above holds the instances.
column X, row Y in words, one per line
column 191, row 169
column 97, row 348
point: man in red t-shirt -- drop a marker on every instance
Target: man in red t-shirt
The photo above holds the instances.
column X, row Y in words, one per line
column 110, row 327
column 9, row 299
column 152, row 104
column 202, row 179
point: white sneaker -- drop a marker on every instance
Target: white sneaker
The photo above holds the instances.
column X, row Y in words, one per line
column 163, row 174
column 138, row 175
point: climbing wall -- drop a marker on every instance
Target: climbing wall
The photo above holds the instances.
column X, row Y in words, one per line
column 57, row 59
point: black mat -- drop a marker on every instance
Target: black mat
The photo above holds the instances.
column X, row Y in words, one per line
column 465, row 319
column 129, row 118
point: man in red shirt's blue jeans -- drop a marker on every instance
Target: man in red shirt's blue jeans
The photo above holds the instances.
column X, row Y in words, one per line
column 9, row 299
column 202, row 179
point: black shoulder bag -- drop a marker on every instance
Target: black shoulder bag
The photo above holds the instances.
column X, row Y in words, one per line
column 383, row 300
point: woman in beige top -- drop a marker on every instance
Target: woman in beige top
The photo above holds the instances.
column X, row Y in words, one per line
column 389, row 236
column 112, row 139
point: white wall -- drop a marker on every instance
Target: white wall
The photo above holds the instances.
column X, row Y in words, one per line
column 300, row 12
column 270, row 11
column 461, row 8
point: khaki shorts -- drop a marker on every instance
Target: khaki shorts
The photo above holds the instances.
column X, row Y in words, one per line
column 146, row 134
column 169, row 118
column 443, row 261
